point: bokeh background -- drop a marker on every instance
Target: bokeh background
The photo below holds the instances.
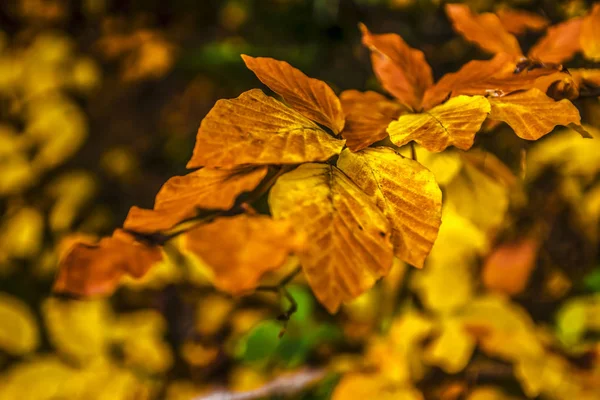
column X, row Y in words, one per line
column 100, row 101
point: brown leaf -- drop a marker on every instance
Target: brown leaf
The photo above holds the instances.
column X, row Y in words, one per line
column 310, row 97
column 96, row 269
column 239, row 250
column 453, row 123
column 560, row 43
column 181, row 196
column 257, row 129
column 519, row 21
column 368, row 114
column 402, row 70
column 508, row 267
column 532, row 114
column 485, row 30
column 349, row 246
column 589, row 38
column 405, row 191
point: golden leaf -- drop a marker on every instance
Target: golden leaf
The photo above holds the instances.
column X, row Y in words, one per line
column 589, row 38
column 519, row 21
column 452, row 349
column 560, row 43
column 257, row 129
column 239, row 250
column 405, row 191
column 349, row 247
column 181, row 196
column 96, row 269
column 368, row 114
column 310, row 97
column 402, row 70
column 373, row 386
column 532, row 114
column 485, row 30
column 18, row 332
column 453, row 123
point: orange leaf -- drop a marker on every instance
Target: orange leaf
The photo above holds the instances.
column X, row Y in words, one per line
column 349, row 246
column 485, row 30
column 368, row 114
column 239, row 250
column 590, row 34
column 508, row 267
column 402, row 70
column 181, row 196
column 560, row 43
column 532, row 114
column 96, row 269
column 519, row 21
column 257, row 129
column 310, row 97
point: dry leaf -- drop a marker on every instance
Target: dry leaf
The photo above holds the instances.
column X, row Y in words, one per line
column 368, row 115
column 560, row 43
column 310, row 97
column 405, row 191
column 349, row 247
column 239, row 250
column 453, row 123
column 257, row 129
column 402, row 70
column 519, row 21
column 589, row 38
column 532, row 114
column 485, row 30
column 508, row 267
column 96, row 269
column 181, row 196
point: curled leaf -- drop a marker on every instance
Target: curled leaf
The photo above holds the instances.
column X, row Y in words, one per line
column 349, row 247
column 310, row 97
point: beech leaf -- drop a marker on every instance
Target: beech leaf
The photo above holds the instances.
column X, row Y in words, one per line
column 519, row 21
column 310, row 97
column 405, row 191
column 589, row 38
column 257, row 129
column 349, row 246
column 560, row 43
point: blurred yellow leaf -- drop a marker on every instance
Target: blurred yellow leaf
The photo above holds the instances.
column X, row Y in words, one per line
column 21, row 234
column 212, row 312
column 589, row 38
column 18, row 331
column 452, row 349
column 72, row 191
column 373, row 386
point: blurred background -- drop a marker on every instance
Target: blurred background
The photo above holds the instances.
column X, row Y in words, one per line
column 100, row 101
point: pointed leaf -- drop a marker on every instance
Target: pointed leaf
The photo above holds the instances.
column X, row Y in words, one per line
column 239, row 250
column 405, row 191
column 532, row 114
column 181, row 196
column 310, row 97
column 257, row 129
column 560, row 43
column 368, row 115
column 349, row 246
column 485, row 30
column 454, row 123
column 589, row 38
column 519, row 21
column 402, row 70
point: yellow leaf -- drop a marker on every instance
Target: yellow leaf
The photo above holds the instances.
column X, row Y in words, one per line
column 310, row 97
column 257, row 129
column 452, row 350
column 444, row 166
column 22, row 234
column 532, row 114
column 405, row 191
column 589, row 38
column 560, row 43
column 239, row 250
column 519, row 21
column 485, row 30
column 72, row 191
column 453, row 123
column 18, row 331
column 349, row 246
column 373, row 386
column 368, row 114
column 181, row 196
column 402, row 70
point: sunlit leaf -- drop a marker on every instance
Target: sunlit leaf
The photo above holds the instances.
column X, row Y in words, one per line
column 520, row 21
column 453, row 349
column 310, row 97
column 405, row 191
column 589, row 38
column 19, row 333
column 364, row 386
column 368, row 115
column 485, row 30
column 257, row 129
column 453, row 123
column 181, row 196
column 349, row 246
column 402, row 70
column 239, row 250
column 560, row 43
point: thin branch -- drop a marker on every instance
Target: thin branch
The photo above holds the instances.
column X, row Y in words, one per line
column 413, row 151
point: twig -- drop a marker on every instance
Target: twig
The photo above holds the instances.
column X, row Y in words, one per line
column 413, row 151
column 281, row 290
